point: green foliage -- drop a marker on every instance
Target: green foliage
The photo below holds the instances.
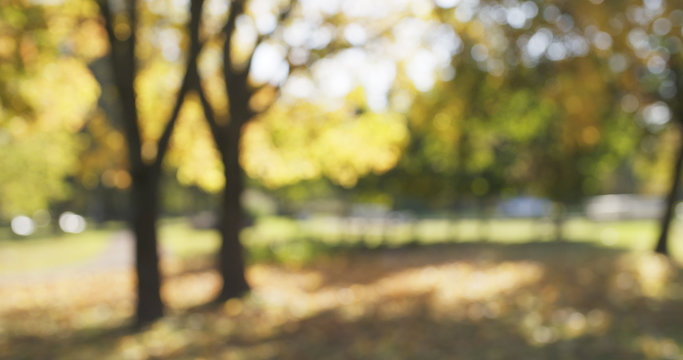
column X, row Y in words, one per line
column 34, row 169
column 305, row 141
column 46, row 95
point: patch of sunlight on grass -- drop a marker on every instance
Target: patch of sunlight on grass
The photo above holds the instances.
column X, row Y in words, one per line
column 433, row 230
column 516, row 230
column 634, row 234
column 271, row 230
column 659, row 347
column 325, row 228
column 182, row 240
column 638, row 235
column 562, row 323
column 52, row 251
column 469, row 229
column 675, row 246
column 300, row 295
column 474, row 282
column 651, row 272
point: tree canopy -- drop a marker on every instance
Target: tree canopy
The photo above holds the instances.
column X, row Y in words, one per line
column 437, row 99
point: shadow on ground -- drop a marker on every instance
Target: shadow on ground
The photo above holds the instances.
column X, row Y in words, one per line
column 449, row 301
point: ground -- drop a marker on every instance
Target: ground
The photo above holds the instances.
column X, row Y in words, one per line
column 537, row 300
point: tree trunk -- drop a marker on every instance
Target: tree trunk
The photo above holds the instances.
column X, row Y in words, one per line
column 144, row 205
column 484, row 221
column 662, row 243
column 559, row 215
column 144, row 201
column 230, row 256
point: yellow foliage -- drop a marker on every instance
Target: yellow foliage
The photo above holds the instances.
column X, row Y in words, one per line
column 193, row 151
column 156, row 88
column 371, row 143
column 287, row 145
column 210, row 66
column 90, row 40
column 62, row 94
column 105, row 155
column 32, row 170
column 7, row 46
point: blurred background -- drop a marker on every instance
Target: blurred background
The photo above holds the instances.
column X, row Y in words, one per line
column 465, row 179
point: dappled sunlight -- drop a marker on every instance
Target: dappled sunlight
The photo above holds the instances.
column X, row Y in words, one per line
column 657, row 347
column 426, row 179
column 303, row 294
column 650, row 273
column 462, row 301
column 452, row 283
column 62, row 306
column 187, row 290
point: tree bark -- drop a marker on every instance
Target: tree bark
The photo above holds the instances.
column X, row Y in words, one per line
column 662, row 246
column 231, row 256
column 144, row 201
column 227, row 139
column 559, row 217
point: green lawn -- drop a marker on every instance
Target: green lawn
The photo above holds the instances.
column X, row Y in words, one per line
column 284, row 239
column 178, row 237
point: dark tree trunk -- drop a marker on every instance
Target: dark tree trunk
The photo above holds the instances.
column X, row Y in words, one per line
column 662, row 246
column 231, row 253
column 144, row 201
column 559, row 217
column 484, row 220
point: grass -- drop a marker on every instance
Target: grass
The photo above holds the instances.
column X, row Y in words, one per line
column 278, row 238
column 286, row 240
column 182, row 240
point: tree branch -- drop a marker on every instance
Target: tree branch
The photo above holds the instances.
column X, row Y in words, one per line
column 236, row 10
column 132, row 39
column 108, row 22
column 216, row 129
column 190, row 74
column 124, row 76
column 165, row 139
column 284, row 16
column 334, row 47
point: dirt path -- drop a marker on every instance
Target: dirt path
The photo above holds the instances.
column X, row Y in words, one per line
column 117, row 255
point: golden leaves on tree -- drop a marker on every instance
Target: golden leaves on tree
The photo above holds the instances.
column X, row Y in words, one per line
column 305, row 141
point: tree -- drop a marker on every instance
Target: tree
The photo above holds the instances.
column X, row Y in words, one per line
column 502, row 124
column 586, row 63
column 144, row 164
column 646, row 56
column 226, row 136
column 46, row 96
column 249, row 96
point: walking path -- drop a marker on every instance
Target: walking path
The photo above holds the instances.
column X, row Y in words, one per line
column 117, row 255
